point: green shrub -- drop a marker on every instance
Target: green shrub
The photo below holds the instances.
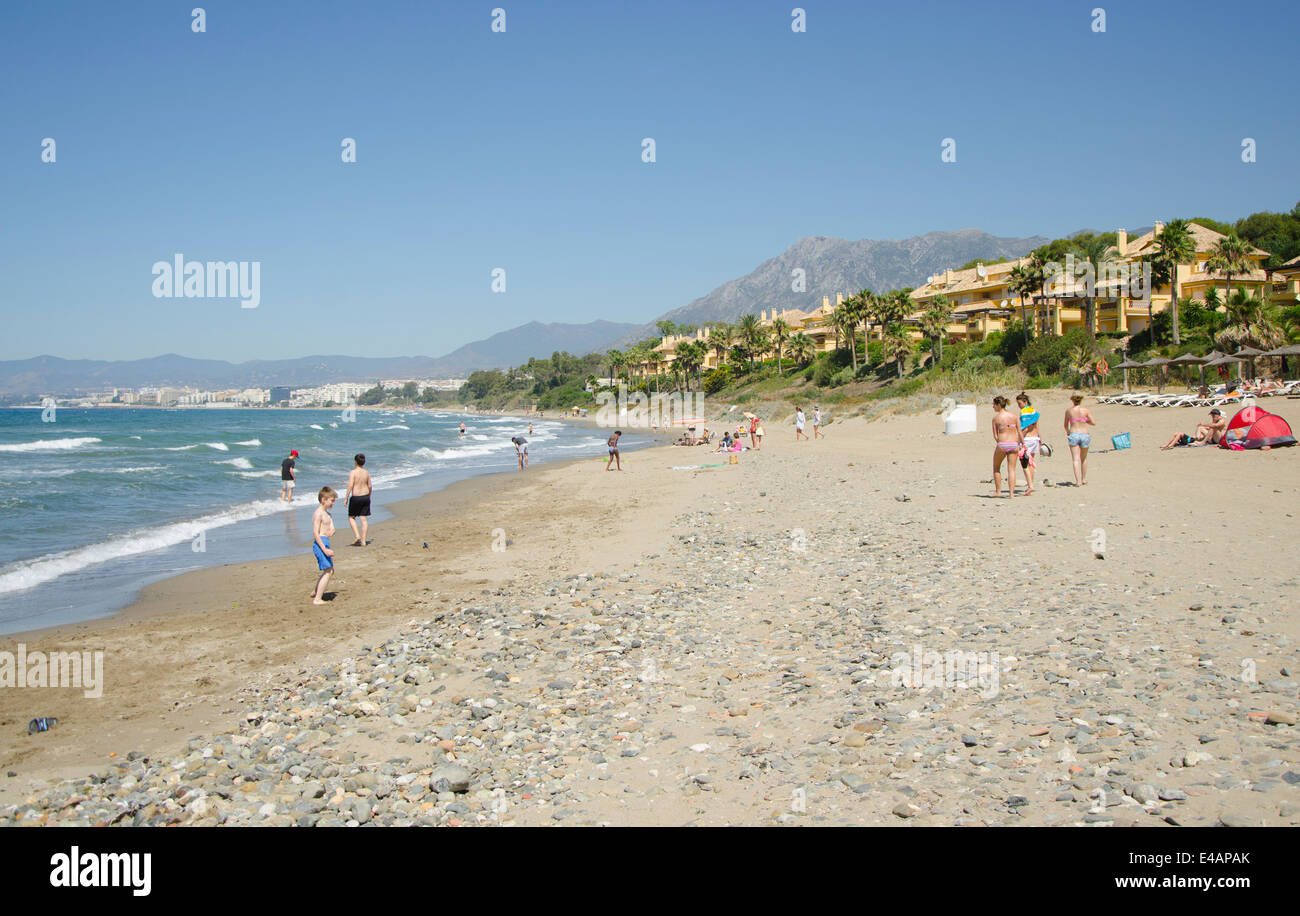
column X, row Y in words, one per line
column 875, row 353
column 1012, row 343
column 843, row 377
column 1049, row 355
column 1042, row 381
column 717, row 379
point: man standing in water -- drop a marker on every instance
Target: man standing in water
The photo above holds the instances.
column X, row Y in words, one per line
column 358, row 500
column 288, row 476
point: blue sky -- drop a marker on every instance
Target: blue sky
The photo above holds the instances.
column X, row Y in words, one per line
column 522, row 150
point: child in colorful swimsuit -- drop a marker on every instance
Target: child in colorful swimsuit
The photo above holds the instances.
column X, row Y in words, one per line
column 1029, row 428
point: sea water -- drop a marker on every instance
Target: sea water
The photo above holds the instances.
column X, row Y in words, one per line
column 101, row 502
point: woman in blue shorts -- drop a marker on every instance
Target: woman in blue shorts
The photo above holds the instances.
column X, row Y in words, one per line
column 1077, row 420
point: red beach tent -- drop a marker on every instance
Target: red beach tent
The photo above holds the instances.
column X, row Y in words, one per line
column 1254, row 427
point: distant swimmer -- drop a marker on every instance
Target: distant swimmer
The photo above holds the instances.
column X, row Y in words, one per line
column 322, row 528
column 358, row 500
column 462, row 430
column 530, row 429
column 288, row 476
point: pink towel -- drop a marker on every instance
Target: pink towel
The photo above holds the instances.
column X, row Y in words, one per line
column 1024, row 450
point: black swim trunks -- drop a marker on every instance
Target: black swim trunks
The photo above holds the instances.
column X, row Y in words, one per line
column 358, row 506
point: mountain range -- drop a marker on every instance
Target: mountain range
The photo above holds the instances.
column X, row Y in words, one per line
column 832, row 265
column 828, row 265
column 43, row 375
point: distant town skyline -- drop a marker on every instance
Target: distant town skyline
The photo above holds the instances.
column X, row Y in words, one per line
column 517, row 159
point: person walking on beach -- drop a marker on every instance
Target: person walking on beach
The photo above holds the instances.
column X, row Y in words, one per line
column 1029, row 429
column 614, row 459
column 322, row 529
column 288, row 476
column 817, row 423
column 521, row 450
column 1007, row 440
column 798, row 424
column 358, row 500
column 1077, row 421
column 755, row 433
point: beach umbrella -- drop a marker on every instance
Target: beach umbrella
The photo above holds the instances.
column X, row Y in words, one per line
column 1157, row 362
column 1223, row 360
column 1190, row 359
column 1127, row 365
column 1249, row 353
column 1283, row 353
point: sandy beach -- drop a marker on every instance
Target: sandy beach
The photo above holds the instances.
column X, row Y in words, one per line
column 722, row 646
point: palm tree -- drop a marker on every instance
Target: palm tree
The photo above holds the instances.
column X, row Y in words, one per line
column 846, row 322
column 935, row 320
column 1251, row 322
column 750, row 332
column 1229, row 257
column 1100, row 254
column 616, row 361
column 897, row 344
column 863, row 309
column 1082, row 361
column 1025, row 280
column 780, row 333
column 762, row 343
column 721, row 337
column 690, row 354
column 893, row 307
column 1174, row 246
column 802, row 348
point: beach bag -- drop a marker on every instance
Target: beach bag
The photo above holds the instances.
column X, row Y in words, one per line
column 1121, row 441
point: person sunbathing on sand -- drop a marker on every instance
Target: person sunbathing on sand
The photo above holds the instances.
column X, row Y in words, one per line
column 1206, row 433
column 1008, row 439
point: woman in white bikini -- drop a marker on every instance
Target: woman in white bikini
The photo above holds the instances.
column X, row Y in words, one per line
column 1008, row 439
column 1077, row 421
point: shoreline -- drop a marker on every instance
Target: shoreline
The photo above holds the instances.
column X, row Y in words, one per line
column 215, row 604
column 409, row 488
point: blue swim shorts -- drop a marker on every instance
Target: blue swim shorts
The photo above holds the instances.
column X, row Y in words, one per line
column 322, row 561
column 1083, row 440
